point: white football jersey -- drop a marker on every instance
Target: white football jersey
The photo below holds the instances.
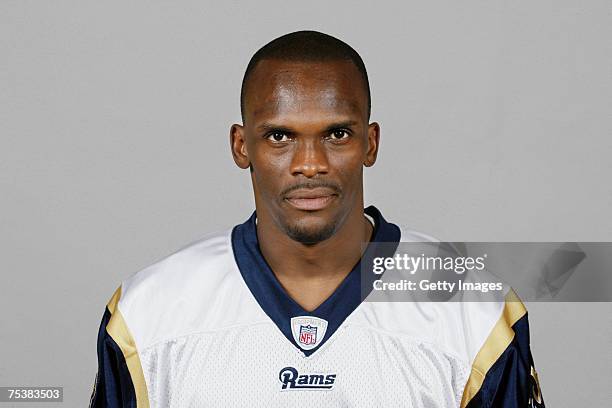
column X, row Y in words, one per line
column 211, row 326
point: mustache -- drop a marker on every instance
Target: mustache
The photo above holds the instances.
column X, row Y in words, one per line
column 309, row 185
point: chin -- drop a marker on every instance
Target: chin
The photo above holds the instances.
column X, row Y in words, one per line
column 310, row 231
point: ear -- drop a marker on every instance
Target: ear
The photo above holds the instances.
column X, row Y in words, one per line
column 373, row 141
column 238, row 146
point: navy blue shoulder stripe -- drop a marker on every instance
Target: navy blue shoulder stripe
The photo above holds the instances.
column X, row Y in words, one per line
column 511, row 382
column 114, row 386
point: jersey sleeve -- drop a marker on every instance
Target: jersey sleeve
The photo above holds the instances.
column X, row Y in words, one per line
column 503, row 373
column 119, row 380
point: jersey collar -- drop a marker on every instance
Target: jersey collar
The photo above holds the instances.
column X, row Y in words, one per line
column 275, row 301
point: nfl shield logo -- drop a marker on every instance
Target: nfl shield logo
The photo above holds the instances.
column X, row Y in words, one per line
column 308, row 335
column 308, row 331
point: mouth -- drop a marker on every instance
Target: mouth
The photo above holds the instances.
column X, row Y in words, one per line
column 311, row 199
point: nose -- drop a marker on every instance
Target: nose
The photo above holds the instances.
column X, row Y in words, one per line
column 310, row 158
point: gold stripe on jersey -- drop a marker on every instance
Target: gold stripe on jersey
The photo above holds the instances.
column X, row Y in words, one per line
column 500, row 338
column 118, row 330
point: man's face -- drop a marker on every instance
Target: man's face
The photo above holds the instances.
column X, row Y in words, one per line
column 306, row 137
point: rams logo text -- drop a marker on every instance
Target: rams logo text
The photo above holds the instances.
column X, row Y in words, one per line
column 292, row 380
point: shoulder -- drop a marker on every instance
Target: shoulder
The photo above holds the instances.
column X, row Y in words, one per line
column 459, row 325
column 410, row 235
column 190, row 269
column 195, row 289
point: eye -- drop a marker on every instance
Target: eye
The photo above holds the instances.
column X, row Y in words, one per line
column 339, row 134
column 277, row 137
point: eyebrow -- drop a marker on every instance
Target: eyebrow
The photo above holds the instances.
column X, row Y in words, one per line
column 267, row 127
column 340, row 125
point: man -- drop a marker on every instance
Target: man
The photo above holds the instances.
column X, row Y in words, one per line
column 270, row 313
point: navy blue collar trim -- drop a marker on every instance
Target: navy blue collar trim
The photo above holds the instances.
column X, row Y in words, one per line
column 273, row 298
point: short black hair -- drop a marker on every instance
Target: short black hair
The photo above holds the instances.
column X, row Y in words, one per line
column 306, row 46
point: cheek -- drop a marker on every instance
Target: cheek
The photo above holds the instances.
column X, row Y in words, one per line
column 269, row 171
column 348, row 167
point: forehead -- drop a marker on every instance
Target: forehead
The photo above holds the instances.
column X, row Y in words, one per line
column 287, row 88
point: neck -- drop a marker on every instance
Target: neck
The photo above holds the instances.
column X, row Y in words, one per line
column 311, row 273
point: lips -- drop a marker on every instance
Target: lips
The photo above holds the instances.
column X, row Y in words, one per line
column 311, row 199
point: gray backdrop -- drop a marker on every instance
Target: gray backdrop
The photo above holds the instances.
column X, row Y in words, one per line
column 114, row 151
